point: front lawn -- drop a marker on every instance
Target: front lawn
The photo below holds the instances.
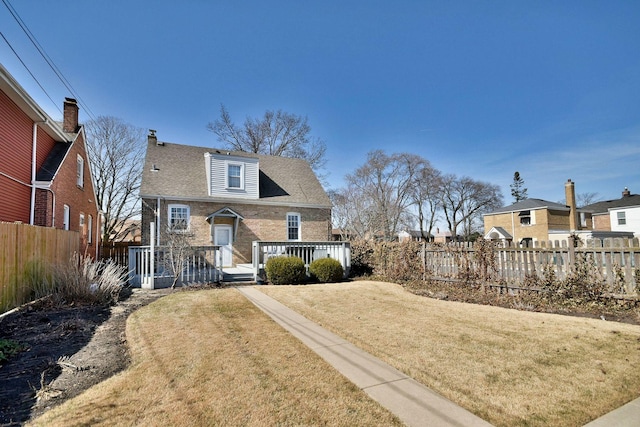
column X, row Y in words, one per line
column 212, row 358
column 508, row 367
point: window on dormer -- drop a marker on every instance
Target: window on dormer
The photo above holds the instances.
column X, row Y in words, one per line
column 234, row 176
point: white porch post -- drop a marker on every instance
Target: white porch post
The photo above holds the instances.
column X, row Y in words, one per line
column 147, row 281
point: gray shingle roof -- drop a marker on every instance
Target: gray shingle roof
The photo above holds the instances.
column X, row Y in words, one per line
column 181, row 174
column 603, row 207
column 529, row 204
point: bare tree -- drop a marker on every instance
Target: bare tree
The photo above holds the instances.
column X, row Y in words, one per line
column 276, row 134
column 425, row 194
column 116, row 153
column 177, row 251
column 464, row 200
column 585, row 199
column 384, row 188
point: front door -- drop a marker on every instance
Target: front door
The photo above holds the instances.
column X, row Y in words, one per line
column 223, row 237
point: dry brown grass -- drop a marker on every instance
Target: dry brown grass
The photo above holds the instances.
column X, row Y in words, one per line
column 509, row 367
column 212, row 358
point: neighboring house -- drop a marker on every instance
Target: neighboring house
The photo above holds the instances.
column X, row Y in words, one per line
column 45, row 179
column 532, row 220
column 230, row 198
column 415, row 235
column 442, row 236
column 129, row 232
column 621, row 214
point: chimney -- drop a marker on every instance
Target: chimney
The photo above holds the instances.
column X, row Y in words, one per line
column 152, row 138
column 70, row 122
column 626, row 192
column 570, row 193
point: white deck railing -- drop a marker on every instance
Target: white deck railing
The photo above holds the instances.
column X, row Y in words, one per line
column 308, row 251
column 147, row 269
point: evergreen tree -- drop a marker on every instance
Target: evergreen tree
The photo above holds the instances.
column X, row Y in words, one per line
column 517, row 188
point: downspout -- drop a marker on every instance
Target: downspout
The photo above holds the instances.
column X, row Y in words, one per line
column 158, row 221
column 34, row 148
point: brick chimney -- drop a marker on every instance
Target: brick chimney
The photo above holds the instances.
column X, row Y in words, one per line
column 570, row 193
column 70, row 123
column 626, row 192
column 152, row 138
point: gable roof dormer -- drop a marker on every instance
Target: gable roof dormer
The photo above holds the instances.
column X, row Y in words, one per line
column 231, row 177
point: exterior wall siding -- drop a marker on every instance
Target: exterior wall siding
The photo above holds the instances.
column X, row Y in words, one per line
column 218, row 177
column 16, row 144
column 260, row 223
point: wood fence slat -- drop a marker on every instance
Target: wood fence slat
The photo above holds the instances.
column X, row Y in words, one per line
column 24, row 248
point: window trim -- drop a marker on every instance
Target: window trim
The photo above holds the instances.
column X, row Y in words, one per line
column 289, row 228
column 89, row 230
column 66, row 217
column 622, row 217
column 80, row 171
column 228, row 175
column 170, row 227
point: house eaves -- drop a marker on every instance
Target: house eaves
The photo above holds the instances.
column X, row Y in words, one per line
column 21, row 98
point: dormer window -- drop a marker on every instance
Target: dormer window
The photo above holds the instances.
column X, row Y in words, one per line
column 235, row 176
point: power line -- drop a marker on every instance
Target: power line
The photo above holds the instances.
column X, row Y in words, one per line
column 29, row 71
column 47, row 59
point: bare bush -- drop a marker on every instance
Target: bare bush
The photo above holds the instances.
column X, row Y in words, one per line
column 83, row 280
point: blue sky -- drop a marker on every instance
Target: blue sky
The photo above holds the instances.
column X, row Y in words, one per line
column 550, row 89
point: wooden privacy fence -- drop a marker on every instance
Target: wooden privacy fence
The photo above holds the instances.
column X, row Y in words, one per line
column 27, row 252
column 617, row 260
column 117, row 252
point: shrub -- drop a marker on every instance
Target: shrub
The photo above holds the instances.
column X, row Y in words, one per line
column 83, row 280
column 326, row 270
column 284, row 270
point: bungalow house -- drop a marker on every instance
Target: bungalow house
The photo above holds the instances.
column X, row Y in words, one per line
column 45, row 179
column 230, row 199
column 620, row 215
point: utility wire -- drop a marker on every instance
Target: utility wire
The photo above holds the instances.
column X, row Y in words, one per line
column 29, row 71
column 47, row 59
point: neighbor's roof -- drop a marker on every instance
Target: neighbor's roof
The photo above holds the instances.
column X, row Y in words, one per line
column 623, row 202
column 181, row 174
column 530, row 204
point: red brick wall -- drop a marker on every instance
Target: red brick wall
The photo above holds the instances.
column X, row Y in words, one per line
column 80, row 200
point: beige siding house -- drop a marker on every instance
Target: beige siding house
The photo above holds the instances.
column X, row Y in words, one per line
column 231, row 199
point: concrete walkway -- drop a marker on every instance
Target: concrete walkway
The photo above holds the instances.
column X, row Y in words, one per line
column 413, row 403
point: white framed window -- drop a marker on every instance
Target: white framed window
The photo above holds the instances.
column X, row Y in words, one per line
column 293, row 226
column 235, row 176
column 80, row 172
column 622, row 218
column 66, row 217
column 82, row 229
column 90, row 230
column 525, row 217
column 178, row 217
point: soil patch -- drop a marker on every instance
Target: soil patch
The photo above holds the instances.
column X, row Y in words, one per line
column 66, row 350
